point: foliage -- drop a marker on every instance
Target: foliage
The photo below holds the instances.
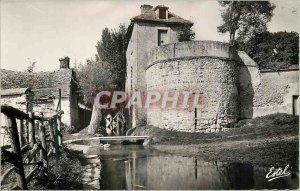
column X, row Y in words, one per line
column 245, row 18
column 107, row 70
column 273, row 50
column 112, row 50
column 94, row 77
column 186, row 33
column 31, row 66
column 66, row 174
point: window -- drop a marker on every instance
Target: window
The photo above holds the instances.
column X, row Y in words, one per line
column 162, row 37
column 162, row 13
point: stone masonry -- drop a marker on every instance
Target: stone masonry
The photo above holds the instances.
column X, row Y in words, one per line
column 200, row 67
column 229, row 82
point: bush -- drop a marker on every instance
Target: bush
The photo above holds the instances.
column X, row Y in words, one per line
column 64, row 174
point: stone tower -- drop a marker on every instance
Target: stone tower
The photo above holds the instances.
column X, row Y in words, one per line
column 155, row 26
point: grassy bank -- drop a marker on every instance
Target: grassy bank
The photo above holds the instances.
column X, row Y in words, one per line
column 267, row 140
column 64, row 174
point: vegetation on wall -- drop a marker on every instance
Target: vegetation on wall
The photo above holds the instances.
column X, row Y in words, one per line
column 186, row 33
column 279, row 50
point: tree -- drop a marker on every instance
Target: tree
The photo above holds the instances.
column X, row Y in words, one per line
column 93, row 77
column 112, row 49
column 245, row 19
column 31, row 66
column 104, row 73
column 273, row 51
column 186, row 33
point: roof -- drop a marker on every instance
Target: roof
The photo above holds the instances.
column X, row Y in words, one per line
column 43, row 81
column 14, row 91
column 150, row 16
column 161, row 6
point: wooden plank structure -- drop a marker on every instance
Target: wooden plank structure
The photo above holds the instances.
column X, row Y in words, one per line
column 114, row 139
column 123, row 138
column 37, row 150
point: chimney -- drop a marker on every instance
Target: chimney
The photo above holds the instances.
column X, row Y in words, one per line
column 145, row 8
column 64, row 62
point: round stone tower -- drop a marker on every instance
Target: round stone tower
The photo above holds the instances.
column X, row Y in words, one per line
column 204, row 68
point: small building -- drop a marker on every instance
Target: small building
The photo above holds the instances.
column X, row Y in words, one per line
column 45, row 89
column 17, row 98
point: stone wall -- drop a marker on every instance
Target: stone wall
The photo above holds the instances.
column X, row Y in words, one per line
column 229, row 82
column 200, row 67
column 263, row 93
column 275, row 93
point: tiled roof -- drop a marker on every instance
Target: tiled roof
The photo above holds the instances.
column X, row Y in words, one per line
column 42, row 80
column 151, row 16
column 14, row 91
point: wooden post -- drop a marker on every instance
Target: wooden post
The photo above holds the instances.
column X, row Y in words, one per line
column 31, row 129
column 16, row 149
column 58, row 130
column 59, row 118
column 26, row 121
column 56, row 140
column 28, row 109
column 21, row 132
column 43, row 153
column 51, row 134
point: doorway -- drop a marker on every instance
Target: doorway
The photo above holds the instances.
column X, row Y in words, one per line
column 295, row 104
column 162, row 37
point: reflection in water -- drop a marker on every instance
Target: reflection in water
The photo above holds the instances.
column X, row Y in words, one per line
column 132, row 167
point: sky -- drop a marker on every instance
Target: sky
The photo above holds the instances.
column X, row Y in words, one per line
column 43, row 31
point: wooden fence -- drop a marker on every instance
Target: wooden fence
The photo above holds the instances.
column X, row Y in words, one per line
column 33, row 139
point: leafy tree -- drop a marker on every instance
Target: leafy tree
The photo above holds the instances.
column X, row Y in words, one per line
column 273, row 50
column 186, row 33
column 245, row 18
column 31, row 66
column 94, row 77
column 105, row 72
column 112, row 49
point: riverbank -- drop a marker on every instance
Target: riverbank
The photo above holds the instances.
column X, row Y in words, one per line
column 266, row 141
column 61, row 175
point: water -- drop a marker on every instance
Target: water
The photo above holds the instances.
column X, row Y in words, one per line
column 134, row 167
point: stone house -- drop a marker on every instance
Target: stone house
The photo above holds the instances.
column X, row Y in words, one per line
column 45, row 89
column 155, row 26
column 228, row 80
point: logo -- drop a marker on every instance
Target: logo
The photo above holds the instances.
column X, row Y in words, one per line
column 277, row 173
column 150, row 100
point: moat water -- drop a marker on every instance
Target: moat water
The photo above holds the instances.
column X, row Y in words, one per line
column 134, row 167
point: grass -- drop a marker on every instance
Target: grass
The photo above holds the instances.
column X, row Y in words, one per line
column 266, row 126
column 267, row 140
column 66, row 174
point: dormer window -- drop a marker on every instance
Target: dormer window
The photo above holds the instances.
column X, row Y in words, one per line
column 161, row 11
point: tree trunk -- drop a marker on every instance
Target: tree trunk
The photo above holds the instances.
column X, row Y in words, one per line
column 95, row 120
